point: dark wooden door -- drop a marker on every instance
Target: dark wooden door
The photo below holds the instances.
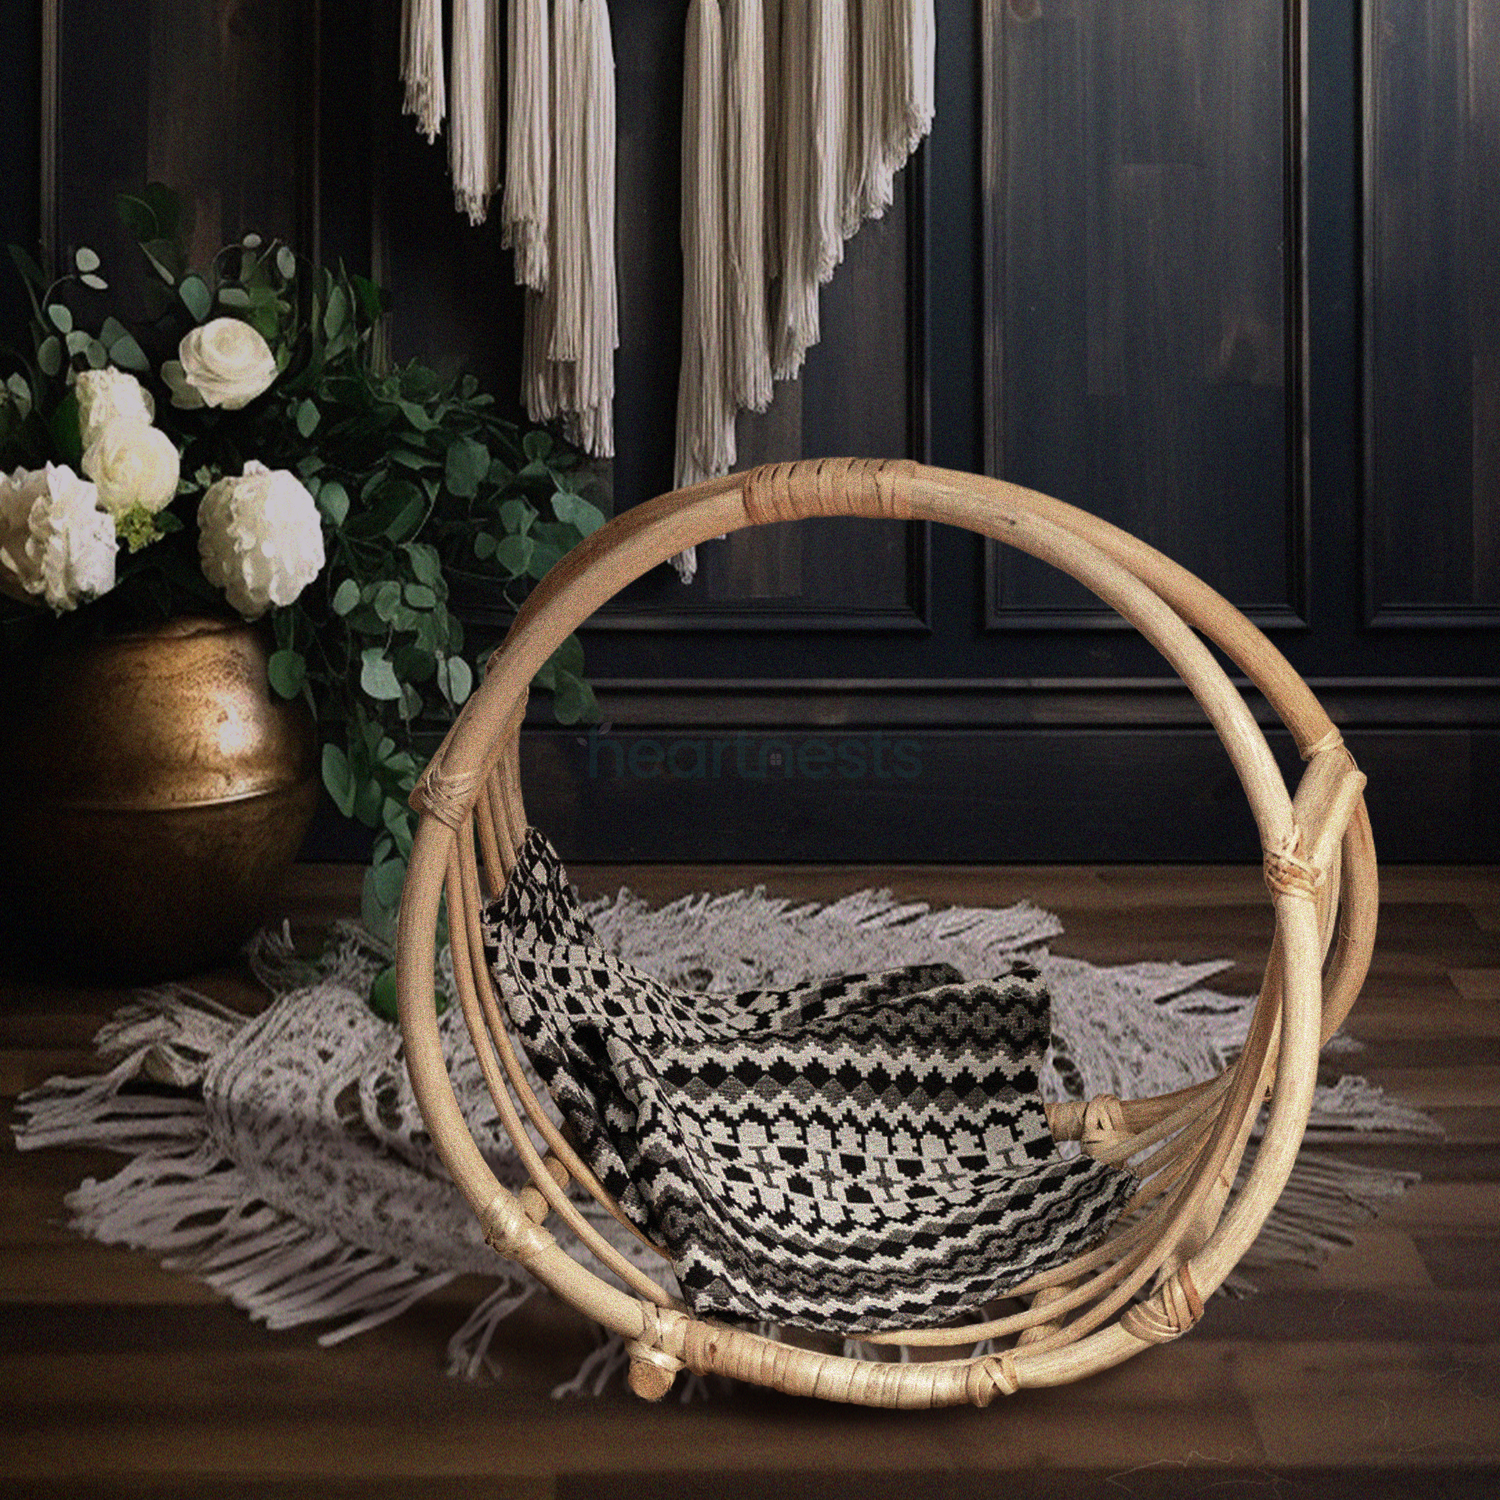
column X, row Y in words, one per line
column 1223, row 271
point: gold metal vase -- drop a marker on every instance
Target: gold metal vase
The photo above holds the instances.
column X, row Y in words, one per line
column 156, row 792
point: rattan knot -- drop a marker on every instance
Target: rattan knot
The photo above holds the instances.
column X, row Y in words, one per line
column 654, row 1365
column 508, row 1229
column 1288, row 874
column 1170, row 1312
column 1103, row 1121
column 1330, row 741
column 993, row 1375
column 827, row 487
column 447, row 797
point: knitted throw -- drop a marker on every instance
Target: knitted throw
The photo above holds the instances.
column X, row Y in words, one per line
column 857, row 1155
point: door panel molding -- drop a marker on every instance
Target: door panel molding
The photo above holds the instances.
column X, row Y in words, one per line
column 1292, row 612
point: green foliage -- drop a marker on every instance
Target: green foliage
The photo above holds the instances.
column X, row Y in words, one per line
column 422, row 487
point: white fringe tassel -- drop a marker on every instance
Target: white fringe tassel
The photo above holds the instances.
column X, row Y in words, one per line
column 474, row 141
column 422, row 64
column 572, row 321
column 705, row 414
column 844, row 94
column 528, row 143
column 746, row 197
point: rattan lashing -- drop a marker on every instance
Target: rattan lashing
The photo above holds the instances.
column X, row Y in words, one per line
column 1186, row 1226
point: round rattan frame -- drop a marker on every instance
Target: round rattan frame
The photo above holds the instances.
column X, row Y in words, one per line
column 1186, row 1226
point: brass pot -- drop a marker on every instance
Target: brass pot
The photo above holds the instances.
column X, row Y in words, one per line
column 156, row 793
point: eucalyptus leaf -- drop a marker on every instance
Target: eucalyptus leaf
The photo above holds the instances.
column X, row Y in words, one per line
column 286, row 262
column 333, row 501
column 514, row 554
column 49, row 355
column 234, row 296
column 536, row 445
column 387, row 599
column 336, row 314
column 137, row 216
column 127, row 353
column 377, row 677
column 94, row 283
column 408, row 519
column 420, row 596
column 543, row 559
column 339, row 779
column 516, row 515
column 60, row 318
column 575, row 511
column 287, row 671
column 424, row 563
column 467, row 464
column 195, row 297
column 308, row 417
column 77, row 341
column 31, row 273
column 568, row 702
column 390, row 875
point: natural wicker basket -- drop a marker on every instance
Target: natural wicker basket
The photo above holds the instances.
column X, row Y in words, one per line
column 1185, row 1228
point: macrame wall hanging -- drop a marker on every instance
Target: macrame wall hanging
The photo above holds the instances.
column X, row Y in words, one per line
column 797, row 115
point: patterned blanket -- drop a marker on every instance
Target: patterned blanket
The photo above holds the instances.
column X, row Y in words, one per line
column 856, row 1155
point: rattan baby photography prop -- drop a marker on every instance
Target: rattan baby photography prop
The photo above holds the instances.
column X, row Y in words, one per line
column 866, row 1154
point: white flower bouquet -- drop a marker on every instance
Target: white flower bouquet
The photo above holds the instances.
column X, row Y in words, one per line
column 242, row 450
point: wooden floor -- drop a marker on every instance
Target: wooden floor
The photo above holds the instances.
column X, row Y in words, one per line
column 1377, row 1376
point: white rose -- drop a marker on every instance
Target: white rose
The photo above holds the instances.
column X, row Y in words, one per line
column 132, row 464
column 106, row 394
column 260, row 538
column 224, row 363
column 54, row 539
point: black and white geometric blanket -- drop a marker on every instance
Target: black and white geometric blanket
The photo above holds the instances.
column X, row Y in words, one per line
column 859, row 1155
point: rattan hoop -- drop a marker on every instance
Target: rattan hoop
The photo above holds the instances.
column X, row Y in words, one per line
column 1186, row 1227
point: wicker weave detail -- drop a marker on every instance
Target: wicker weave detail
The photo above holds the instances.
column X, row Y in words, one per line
column 656, row 1356
column 827, row 487
column 508, row 1229
column 1288, row 874
column 447, row 798
column 1330, row 741
column 1103, row 1123
column 994, row 1375
column 1174, row 1309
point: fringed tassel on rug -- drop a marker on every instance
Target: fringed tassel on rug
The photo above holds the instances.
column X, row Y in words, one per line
column 282, row 1159
column 528, row 145
column 474, row 139
column 422, row 64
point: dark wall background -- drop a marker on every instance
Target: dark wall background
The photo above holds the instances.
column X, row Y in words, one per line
column 1223, row 272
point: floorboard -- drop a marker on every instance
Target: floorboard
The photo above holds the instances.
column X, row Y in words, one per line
column 1374, row 1376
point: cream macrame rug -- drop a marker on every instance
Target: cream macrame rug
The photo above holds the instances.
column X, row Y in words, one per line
column 282, row 1160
